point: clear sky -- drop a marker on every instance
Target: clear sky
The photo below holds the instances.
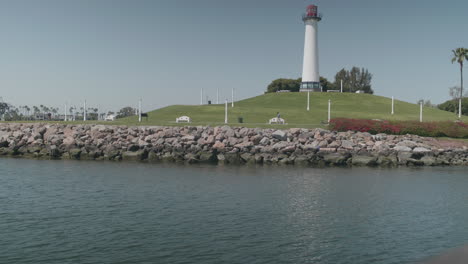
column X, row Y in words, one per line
column 112, row 52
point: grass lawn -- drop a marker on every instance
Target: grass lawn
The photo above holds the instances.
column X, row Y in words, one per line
column 258, row 110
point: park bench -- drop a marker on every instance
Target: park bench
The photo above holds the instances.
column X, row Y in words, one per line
column 277, row 120
column 183, row 119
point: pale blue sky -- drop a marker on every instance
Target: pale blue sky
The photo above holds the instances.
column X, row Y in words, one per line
column 111, row 52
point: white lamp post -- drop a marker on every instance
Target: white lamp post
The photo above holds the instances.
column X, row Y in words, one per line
column 420, row 112
column 201, row 96
column 84, row 111
column 308, row 100
column 139, row 110
column 329, row 110
column 232, row 97
column 65, row 116
column 226, row 112
column 341, row 85
column 393, row 105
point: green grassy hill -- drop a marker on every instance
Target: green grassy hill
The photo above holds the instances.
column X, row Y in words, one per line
column 258, row 110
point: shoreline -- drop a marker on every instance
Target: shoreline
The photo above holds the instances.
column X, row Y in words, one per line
column 226, row 145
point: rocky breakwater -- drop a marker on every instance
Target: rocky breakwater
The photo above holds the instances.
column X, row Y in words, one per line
column 225, row 145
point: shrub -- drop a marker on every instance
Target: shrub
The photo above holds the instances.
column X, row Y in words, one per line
column 427, row 129
column 452, row 106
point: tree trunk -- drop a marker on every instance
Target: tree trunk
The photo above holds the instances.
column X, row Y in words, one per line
column 461, row 92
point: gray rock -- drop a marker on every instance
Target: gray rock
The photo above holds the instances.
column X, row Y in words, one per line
column 336, row 158
column 420, row 149
column 402, row 148
column 347, row 144
column 362, row 160
column 279, row 134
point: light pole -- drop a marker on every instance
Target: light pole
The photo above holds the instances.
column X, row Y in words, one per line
column 393, row 105
column 226, row 112
column 84, row 111
column 65, row 116
column 139, row 110
column 201, row 96
column 420, row 111
column 232, row 97
column 341, row 85
column 329, row 110
column 308, row 100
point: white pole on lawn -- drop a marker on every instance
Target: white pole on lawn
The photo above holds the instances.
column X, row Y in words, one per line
column 84, row 111
column 329, row 110
column 420, row 112
column 232, row 97
column 217, row 95
column 459, row 108
column 226, row 112
column 65, row 116
column 393, row 105
column 308, row 100
column 139, row 110
column 341, row 85
column 201, row 96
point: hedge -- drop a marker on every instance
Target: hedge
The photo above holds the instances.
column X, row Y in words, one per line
column 426, row 129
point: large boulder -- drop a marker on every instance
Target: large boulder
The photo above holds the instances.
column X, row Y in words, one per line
column 279, row 134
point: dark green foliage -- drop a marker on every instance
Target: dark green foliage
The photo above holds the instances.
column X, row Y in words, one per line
column 292, row 85
column 3, row 108
column 126, row 111
column 354, row 80
column 326, row 85
column 452, row 106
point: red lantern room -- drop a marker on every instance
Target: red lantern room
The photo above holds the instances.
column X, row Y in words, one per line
column 312, row 10
column 312, row 13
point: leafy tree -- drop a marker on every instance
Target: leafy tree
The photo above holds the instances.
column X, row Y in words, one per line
column 326, row 85
column 4, row 107
column 126, row 111
column 453, row 105
column 460, row 55
column 292, row 85
column 357, row 79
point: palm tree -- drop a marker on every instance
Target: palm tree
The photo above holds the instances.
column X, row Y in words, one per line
column 460, row 55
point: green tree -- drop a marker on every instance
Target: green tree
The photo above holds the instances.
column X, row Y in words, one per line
column 357, row 79
column 126, row 111
column 325, row 84
column 4, row 107
column 453, row 106
column 292, row 85
column 460, row 55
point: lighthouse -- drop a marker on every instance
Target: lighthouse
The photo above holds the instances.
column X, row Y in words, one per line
column 310, row 69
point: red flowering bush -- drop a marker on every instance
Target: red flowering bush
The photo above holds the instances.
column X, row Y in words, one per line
column 428, row 129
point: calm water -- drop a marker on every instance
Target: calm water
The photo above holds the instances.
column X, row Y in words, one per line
column 95, row 212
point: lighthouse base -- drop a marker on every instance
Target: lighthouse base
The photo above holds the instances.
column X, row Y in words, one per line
column 310, row 87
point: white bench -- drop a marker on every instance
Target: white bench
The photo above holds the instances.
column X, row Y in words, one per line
column 183, row 119
column 110, row 118
column 277, row 120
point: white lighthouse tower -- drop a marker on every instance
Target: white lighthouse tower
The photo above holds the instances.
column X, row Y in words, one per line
column 310, row 69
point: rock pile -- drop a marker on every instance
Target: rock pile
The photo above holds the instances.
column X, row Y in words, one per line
column 224, row 145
